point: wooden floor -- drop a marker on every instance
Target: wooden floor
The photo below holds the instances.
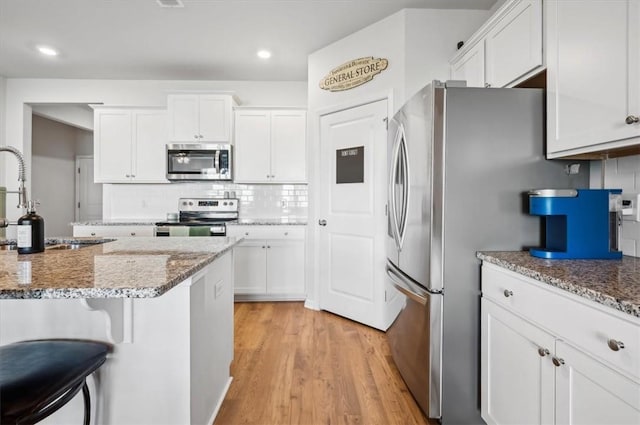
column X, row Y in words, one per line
column 298, row 366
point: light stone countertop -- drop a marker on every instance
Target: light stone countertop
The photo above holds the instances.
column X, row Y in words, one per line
column 614, row 283
column 281, row 221
column 135, row 267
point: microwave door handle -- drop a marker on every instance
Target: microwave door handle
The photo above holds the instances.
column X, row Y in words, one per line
column 216, row 161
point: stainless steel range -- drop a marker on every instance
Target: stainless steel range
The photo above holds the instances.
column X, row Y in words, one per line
column 200, row 217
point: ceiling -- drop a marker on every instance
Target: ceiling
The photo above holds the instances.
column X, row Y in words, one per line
column 204, row 40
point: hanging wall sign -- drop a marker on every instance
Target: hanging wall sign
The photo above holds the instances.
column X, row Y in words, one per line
column 353, row 73
column 350, row 165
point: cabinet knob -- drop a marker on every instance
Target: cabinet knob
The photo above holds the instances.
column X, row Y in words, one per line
column 557, row 361
column 615, row 345
column 322, row 222
column 632, row 119
column 195, row 136
column 487, row 85
column 133, row 175
column 93, row 234
column 133, row 233
column 508, row 293
column 246, row 233
column 263, row 246
column 543, row 352
column 286, row 233
column 268, row 246
column 128, row 175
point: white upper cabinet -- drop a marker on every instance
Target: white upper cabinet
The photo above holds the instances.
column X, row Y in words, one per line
column 470, row 66
column 506, row 50
column 198, row 118
column 593, row 76
column 270, row 146
column 129, row 145
column 513, row 46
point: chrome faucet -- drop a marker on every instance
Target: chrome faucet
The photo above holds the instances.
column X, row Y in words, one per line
column 22, row 191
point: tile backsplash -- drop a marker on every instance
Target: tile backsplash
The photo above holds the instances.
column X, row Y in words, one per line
column 154, row 201
column 621, row 173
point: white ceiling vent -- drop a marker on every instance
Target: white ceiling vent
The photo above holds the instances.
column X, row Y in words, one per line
column 170, row 3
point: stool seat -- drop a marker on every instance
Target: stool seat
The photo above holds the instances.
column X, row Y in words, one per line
column 38, row 377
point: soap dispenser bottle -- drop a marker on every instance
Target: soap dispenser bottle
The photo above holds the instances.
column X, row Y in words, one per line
column 30, row 231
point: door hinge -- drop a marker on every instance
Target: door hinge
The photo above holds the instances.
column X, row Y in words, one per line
column 78, row 204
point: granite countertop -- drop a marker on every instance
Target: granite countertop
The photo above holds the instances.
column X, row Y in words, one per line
column 282, row 221
column 614, row 283
column 140, row 267
column 286, row 221
column 119, row 222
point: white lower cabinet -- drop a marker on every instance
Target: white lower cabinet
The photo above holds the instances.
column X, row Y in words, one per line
column 113, row 231
column 269, row 264
column 550, row 358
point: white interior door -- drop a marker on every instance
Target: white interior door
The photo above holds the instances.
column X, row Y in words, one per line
column 88, row 193
column 352, row 250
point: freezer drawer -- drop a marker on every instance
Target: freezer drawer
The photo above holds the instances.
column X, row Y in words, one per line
column 415, row 338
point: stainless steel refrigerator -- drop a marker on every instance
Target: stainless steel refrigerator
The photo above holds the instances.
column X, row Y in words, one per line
column 460, row 163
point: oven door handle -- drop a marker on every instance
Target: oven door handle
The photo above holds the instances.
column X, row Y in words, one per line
column 216, row 161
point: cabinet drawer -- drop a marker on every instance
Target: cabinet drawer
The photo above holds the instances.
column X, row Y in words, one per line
column 582, row 322
column 98, row 231
column 266, row 232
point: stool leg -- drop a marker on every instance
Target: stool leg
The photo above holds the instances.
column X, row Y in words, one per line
column 87, row 403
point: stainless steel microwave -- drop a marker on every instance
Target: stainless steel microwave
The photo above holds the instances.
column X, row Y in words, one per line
column 199, row 161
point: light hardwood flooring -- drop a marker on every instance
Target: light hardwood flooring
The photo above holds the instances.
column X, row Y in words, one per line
column 297, row 366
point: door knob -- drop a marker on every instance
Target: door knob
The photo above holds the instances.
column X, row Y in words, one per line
column 322, row 222
column 632, row 119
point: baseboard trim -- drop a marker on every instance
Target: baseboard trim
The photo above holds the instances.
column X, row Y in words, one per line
column 220, row 401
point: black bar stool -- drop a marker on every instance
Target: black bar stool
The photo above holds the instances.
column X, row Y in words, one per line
column 39, row 377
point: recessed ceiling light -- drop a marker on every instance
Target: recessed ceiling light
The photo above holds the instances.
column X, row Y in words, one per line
column 264, row 54
column 46, row 50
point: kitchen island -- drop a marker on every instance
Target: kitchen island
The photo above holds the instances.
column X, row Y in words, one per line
column 166, row 304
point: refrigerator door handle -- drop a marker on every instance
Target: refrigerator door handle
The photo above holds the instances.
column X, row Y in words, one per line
column 392, row 190
column 405, row 187
column 407, row 288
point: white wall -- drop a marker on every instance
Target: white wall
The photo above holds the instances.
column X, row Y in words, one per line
column 21, row 93
column 80, row 116
column 54, row 148
column 621, row 173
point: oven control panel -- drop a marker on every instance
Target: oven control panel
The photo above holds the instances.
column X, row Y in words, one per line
column 208, row 204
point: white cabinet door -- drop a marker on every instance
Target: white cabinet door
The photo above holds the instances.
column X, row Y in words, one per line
column 112, row 146
column 184, row 119
column 270, row 146
column 250, row 264
column 588, row 392
column 285, row 267
column 195, row 118
column 215, row 118
column 470, row 66
column 252, row 146
column 149, row 151
column 514, row 45
column 517, row 375
column 593, row 73
column 288, row 146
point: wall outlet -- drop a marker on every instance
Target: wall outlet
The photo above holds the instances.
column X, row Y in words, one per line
column 630, row 210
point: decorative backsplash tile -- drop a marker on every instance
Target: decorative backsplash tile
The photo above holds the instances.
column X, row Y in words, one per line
column 124, row 201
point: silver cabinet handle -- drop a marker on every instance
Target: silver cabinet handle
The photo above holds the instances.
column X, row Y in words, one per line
column 615, row 345
column 508, row 293
column 557, row 361
column 322, row 222
column 632, row 119
column 543, row 352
